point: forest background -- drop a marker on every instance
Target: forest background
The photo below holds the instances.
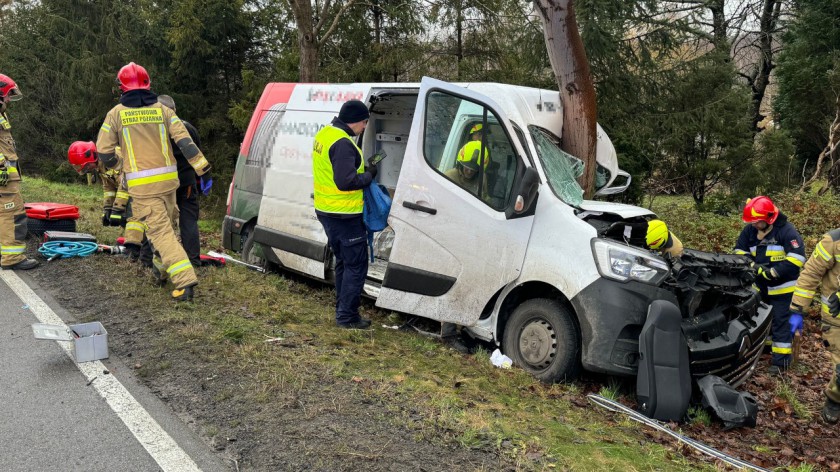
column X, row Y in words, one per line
column 710, row 98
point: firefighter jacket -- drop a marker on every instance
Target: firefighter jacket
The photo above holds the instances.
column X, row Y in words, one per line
column 114, row 191
column 143, row 133
column 822, row 269
column 781, row 249
column 8, row 155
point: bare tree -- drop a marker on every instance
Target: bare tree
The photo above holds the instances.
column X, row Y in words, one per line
column 829, row 152
column 577, row 91
column 316, row 23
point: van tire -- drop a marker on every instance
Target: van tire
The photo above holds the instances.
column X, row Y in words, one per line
column 541, row 337
column 248, row 249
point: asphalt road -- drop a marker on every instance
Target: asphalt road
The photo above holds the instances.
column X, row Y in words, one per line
column 57, row 415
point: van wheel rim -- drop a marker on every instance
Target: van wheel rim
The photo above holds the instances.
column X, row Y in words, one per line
column 538, row 343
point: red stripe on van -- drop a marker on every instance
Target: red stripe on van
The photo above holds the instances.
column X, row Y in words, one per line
column 273, row 94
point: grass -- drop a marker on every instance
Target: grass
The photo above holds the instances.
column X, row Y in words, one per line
column 785, row 391
column 700, row 416
column 440, row 396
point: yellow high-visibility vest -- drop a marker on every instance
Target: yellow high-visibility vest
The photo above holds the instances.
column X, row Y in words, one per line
column 328, row 198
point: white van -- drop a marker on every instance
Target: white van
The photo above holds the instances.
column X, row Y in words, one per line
column 558, row 282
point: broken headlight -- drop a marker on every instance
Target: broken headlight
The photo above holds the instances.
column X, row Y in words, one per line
column 620, row 262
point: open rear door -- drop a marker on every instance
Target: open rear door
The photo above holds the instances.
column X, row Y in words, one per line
column 457, row 242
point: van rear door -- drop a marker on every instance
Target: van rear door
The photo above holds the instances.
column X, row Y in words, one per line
column 456, row 241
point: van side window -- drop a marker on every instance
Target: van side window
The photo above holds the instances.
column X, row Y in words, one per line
column 465, row 142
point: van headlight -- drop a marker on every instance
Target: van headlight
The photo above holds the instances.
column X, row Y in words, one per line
column 620, row 262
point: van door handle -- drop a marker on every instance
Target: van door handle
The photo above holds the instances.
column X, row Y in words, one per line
column 424, row 209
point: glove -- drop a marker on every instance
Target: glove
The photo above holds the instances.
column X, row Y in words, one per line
column 4, row 177
column 372, row 171
column 833, row 304
column 117, row 217
column 106, row 217
column 795, row 323
column 205, row 183
column 767, row 274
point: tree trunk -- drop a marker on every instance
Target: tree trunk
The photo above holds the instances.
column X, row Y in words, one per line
column 577, row 92
column 767, row 25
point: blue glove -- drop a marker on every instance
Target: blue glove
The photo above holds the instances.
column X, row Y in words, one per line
column 205, row 183
column 795, row 323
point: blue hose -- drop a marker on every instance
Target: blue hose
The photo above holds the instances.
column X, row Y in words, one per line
column 64, row 249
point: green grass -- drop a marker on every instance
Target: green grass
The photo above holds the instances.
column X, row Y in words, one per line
column 785, row 391
column 437, row 394
column 700, row 416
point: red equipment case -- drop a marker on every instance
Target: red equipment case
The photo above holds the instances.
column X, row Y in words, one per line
column 51, row 211
column 46, row 216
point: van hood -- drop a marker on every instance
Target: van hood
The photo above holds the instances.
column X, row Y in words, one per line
column 620, row 209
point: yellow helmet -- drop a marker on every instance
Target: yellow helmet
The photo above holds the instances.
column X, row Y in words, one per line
column 476, row 128
column 657, row 234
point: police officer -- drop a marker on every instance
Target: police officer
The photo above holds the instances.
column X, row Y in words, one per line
column 13, row 226
column 823, row 269
column 778, row 252
column 186, row 197
column 339, row 178
column 142, row 128
column 84, row 159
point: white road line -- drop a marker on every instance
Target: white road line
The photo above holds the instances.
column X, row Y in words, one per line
column 163, row 449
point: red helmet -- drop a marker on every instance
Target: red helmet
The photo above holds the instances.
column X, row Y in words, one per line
column 133, row 77
column 760, row 209
column 82, row 156
column 9, row 88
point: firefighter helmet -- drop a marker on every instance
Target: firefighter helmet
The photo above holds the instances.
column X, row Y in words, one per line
column 476, row 128
column 468, row 168
column 133, row 77
column 8, row 88
column 82, row 156
column 760, row 208
column 657, row 234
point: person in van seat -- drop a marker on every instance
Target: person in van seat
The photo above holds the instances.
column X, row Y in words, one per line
column 823, row 270
column 778, row 252
column 142, row 128
column 13, row 225
column 339, row 177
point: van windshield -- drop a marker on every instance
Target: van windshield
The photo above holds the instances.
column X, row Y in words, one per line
column 561, row 169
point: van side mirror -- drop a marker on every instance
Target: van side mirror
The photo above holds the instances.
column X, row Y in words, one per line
column 527, row 191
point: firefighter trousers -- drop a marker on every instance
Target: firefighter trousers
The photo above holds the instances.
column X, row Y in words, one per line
column 12, row 225
column 782, row 347
column 156, row 213
column 831, row 337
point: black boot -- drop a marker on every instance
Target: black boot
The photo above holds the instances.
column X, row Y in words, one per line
column 455, row 342
column 831, row 411
column 25, row 264
column 183, row 294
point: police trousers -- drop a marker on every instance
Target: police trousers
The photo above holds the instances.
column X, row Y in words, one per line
column 347, row 238
column 156, row 214
column 13, row 226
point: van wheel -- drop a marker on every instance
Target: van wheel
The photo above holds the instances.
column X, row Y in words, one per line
column 542, row 338
column 248, row 255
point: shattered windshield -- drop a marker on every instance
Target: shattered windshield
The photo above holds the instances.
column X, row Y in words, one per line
column 561, row 169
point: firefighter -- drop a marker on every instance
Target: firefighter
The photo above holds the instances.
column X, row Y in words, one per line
column 659, row 238
column 13, row 225
column 823, row 269
column 778, row 254
column 339, row 177
column 83, row 157
column 142, row 128
column 467, row 164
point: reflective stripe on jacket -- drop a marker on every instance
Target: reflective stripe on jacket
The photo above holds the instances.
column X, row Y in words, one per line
column 8, row 153
column 781, row 249
column 328, row 198
column 823, row 270
column 114, row 192
column 143, row 134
